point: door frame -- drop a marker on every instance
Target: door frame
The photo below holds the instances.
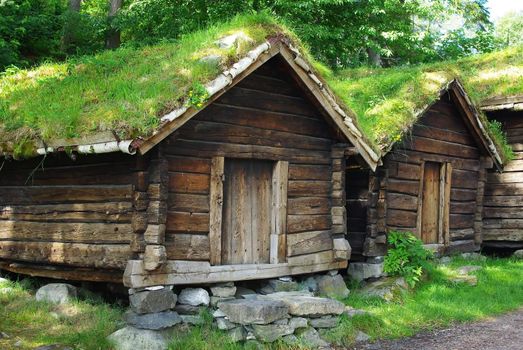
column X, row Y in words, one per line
column 278, row 234
column 444, row 204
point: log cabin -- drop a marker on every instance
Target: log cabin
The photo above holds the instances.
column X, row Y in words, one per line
column 248, row 185
column 431, row 182
column 503, row 202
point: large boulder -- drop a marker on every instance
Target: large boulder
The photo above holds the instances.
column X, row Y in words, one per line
column 130, row 338
column 57, row 293
column 332, row 286
column 362, row 271
column 223, row 290
column 152, row 301
column 465, row 270
column 518, row 254
column 271, row 332
column 247, row 311
column 474, row 256
column 386, row 288
column 194, row 297
column 311, row 337
column 156, row 321
column 301, row 304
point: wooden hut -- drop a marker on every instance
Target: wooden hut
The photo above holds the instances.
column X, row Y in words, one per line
column 250, row 185
column 431, row 182
column 503, row 203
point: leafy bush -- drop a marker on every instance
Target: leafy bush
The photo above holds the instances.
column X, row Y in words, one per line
column 406, row 257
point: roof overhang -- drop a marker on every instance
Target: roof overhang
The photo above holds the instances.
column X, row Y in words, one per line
column 510, row 103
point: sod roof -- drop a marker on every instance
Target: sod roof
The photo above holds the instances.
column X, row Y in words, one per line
column 125, row 93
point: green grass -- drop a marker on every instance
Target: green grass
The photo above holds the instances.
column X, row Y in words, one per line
column 83, row 324
column 438, row 303
column 434, row 303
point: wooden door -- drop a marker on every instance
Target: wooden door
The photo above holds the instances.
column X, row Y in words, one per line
column 430, row 212
column 246, row 227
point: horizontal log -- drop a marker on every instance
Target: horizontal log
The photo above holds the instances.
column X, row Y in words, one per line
column 189, row 183
column 443, row 134
column 406, row 171
column 308, row 242
column 189, row 164
column 309, row 172
column 23, row 195
column 191, row 203
column 305, row 188
column 402, row 201
column 403, row 186
column 65, row 232
column 428, row 145
column 503, row 190
column 505, row 234
column 503, row 201
column 504, row 213
column 444, row 116
column 110, row 256
column 462, row 207
column 464, row 179
column 187, row 247
column 301, row 223
column 515, row 165
column 308, row 206
column 462, row 195
column 216, row 149
column 461, row 246
column 514, row 178
column 401, row 218
column 461, row 221
column 187, row 222
column 256, row 81
column 117, row 212
column 502, row 223
column 418, row 157
column 467, row 233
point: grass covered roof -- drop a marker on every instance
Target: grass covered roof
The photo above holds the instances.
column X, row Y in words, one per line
column 388, row 101
column 125, row 92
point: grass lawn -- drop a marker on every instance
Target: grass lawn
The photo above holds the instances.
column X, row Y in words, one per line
column 435, row 303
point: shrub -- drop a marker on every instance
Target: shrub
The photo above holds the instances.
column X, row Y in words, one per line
column 406, row 257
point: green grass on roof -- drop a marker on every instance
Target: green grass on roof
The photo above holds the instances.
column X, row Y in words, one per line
column 124, row 91
column 388, row 100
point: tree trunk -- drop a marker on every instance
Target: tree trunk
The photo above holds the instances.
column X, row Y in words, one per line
column 113, row 34
column 69, row 26
column 374, row 57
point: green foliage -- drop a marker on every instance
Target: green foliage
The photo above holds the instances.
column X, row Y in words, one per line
column 406, row 257
column 197, row 96
column 509, row 29
column 495, row 128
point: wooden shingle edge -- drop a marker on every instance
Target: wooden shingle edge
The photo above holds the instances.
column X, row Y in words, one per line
column 511, row 103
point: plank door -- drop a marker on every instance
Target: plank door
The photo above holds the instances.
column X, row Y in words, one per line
column 246, row 229
column 431, row 199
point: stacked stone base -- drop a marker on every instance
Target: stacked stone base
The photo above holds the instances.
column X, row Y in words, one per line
column 275, row 309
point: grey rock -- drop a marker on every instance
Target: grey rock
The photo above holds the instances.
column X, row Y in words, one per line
column 474, row 256
column 235, row 39
column 215, row 301
column 130, row 338
column 4, row 335
column 290, row 339
column 53, row 347
column 195, row 320
column 237, row 334
column 465, row 270
column 282, row 322
column 385, row 288
column 324, row 322
column 224, row 324
column 271, row 332
column 311, row 337
column 332, row 272
column 361, row 337
column 194, row 297
column 3, row 280
column 518, row 254
column 375, row 260
column 223, row 291
column 445, row 260
column 57, row 293
column 266, row 289
column 332, row 286
column 301, row 304
column 156, row 321
column 18, row 343
column 373, row 247
column 362, row 271
column 241, row 292
column 310, row 284
column 298, row 322
column 218, row 314
column 214, row 60
column 283, row 286
column 468, row 279
column 254, row 311
column 152, row 301
column 351, row 312
column 187, row 309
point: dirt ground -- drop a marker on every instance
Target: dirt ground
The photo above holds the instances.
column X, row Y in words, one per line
column 500, row 333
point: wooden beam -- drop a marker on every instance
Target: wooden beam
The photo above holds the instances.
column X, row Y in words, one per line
column 215, row 210
column 278, row 244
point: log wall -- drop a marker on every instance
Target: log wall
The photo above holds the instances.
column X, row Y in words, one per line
column 503, row 201
column 57, row 211
column 440, row 135
column 266, row 116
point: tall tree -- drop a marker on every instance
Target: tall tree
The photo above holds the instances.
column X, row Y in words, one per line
column 71, row 20
column 113, row 39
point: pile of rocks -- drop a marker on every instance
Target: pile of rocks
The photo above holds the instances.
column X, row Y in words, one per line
column 279, row 315
column 280, row 308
